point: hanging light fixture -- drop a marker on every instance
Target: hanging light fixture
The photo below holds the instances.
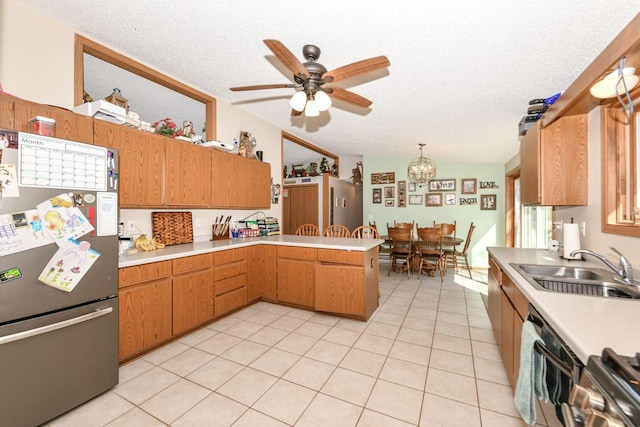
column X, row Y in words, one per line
column 618, row 82
column 310, row 102
column 421, row 170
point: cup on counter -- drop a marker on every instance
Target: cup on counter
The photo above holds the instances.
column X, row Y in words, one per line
column 234, row 234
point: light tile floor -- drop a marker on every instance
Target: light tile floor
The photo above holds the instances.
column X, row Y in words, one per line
column 427, row 357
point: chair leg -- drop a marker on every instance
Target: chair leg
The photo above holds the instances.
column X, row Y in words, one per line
column 466, row 261
column 391, row 261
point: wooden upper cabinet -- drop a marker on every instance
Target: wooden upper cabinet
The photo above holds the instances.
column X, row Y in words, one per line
column 69, row 125
column 7, row 114
column 239, row 182
column 553, row 163
column 142, row 167
column 188, row 174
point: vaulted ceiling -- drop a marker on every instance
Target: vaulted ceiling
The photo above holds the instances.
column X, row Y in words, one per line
column 461, row 76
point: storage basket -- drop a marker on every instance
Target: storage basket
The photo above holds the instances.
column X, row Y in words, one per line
column 172, row 228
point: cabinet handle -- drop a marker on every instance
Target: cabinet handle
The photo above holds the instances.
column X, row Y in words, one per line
column 371, row 262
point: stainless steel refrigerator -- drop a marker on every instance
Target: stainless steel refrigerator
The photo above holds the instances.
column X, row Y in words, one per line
column 58, row 276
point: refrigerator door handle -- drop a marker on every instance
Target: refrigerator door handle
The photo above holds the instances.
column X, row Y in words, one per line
column 54, row 326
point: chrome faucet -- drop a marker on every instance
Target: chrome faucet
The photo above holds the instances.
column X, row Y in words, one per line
column 624, row 271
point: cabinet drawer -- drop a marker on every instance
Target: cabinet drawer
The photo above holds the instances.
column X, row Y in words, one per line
column 230, row 270
column 143, row 273
column 297, row 253
column 230, row 301
column 190, row 263
column 508, row 287
column 495, row 271
column 341, row 256
column 231, row 255
column 226, row 285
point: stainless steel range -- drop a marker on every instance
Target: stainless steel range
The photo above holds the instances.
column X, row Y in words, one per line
column 608, row 393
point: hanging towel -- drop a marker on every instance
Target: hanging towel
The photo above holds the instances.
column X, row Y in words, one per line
column 531, row 377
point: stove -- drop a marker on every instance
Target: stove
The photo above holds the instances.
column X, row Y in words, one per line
column 608, row 393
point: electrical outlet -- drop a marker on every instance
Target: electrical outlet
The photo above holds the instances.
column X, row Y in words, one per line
column 370, row 217
column 197, row 222
column 131, row 226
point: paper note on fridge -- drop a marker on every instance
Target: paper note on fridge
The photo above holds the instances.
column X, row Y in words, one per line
column 20, row 231
column 62, row 220
column 9, row 181
column 69, row 264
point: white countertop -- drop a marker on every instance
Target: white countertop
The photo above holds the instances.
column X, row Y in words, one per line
column 196, row 248
column 587, row 324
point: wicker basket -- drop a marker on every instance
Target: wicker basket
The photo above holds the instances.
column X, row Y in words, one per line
column 172, row 228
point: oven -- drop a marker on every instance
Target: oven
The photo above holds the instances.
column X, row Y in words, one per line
column 608, row 393
column 563, row 368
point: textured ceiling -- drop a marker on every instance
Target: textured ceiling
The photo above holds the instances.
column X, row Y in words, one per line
column 461, row 75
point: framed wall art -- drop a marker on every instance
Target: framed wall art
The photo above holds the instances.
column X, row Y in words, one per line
column 433, row 199
column 389, row 203
column 488, row 202
column 377, row 195
column 415, row 199
column 383, row 178
column 450, row 198
column 402, row 194
column 388, row 192
column 463, row 201
column 469, row 185
column 412, row 187
column 442, row 185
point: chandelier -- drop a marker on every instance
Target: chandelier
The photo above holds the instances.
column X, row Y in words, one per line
column 421, row 170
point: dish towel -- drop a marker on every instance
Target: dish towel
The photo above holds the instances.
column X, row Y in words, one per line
column 531, row 377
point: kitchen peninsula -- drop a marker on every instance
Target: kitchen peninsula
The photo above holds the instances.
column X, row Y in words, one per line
column 168, row 292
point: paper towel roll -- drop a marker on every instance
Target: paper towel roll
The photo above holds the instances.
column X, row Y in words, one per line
column 571, row 240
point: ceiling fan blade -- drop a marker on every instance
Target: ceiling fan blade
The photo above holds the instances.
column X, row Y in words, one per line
column 286, row 57
column 258, row 87
column 357, row 68
column 348, row 96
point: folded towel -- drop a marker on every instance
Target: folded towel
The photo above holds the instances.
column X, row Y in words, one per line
column 531, row 377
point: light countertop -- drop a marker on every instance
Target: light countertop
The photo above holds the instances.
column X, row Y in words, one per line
column 587, row 324
column 196, row 248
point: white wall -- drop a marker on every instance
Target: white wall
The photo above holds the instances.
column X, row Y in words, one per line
column 347, row 203
column 37, row 63
column 595, row 239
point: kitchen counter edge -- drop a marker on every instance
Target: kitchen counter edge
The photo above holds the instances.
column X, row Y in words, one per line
column 587, row 324
column 196, row 248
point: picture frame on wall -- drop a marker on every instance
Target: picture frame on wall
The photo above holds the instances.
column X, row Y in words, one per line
column 389, row 203
column 487, row 202
column 468, row 185
column 415, row 199
column 377, row 195
column 442, row 185
column 433, row 199
column 389, row 192
column 412, row 188
column 450, row 198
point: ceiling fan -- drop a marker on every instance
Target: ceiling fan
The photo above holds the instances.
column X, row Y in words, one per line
column 312, row 96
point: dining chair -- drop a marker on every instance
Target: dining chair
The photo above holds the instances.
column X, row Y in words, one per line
column 403, row 224
column 448, row 229
column 462, row 255
column 308, row 230
column 365, row 232
column 430, row 251
column 336, row 230
column 401, row 249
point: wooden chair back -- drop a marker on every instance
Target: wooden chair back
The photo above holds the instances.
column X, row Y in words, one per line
column 365, row 232
column 430, row 242
column 408, row 225
column 468, row 240
column 401, row 240
column 448, row 229
column 308, row 230
column 336, row 230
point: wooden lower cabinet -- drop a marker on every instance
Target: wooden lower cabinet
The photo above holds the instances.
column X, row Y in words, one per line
column 262, row 272
column 192, row 300
column 145, row 317
column 297, row 275
column 230, row 280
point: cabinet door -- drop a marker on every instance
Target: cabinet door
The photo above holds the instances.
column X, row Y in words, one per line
column 495, row 306
column 296, row 281
column 145, row 317
column 517, row 341
column 188, row 174
column 530, row 165
column 7, row 112
column 506, row 348
column 69, row 125
column 192, row 300
column 340, row 289
column 239, row 182
column 142, row 168
column 262, row 272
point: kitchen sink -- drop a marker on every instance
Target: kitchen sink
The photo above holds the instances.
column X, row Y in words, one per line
column 576, row 280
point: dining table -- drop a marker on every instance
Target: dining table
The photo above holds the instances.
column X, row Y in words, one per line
column 447, row 242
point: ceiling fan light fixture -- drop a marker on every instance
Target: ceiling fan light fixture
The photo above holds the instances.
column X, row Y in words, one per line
column 298, row 101
column 312, row 109
column 422, row 169
column 615, row 83
column 322, row 100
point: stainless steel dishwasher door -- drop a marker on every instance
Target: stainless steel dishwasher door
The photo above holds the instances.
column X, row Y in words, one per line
column 53, row 363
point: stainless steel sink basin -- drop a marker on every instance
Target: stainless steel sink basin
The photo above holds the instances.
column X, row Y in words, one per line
column 576, row 280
